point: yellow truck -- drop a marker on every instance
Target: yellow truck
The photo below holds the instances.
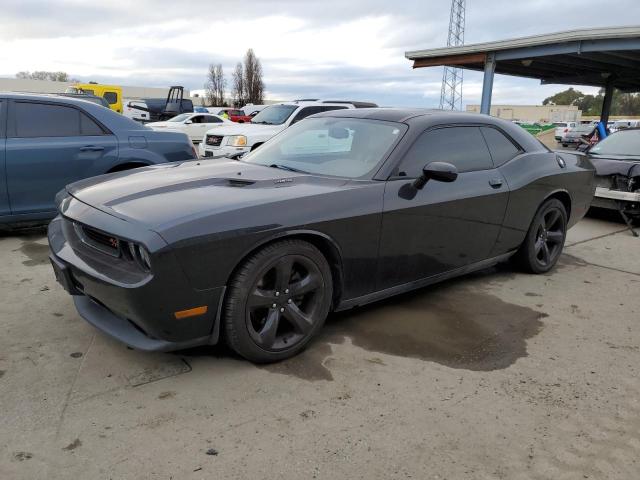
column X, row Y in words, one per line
column 111, row 93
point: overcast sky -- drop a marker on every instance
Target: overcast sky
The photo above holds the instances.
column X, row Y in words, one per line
column 331, row 48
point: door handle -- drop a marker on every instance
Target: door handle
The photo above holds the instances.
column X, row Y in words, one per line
column 495, row 182
column 91, row 148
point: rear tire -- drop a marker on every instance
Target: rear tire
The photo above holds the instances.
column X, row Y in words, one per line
column 277, row 301
column 545, row 239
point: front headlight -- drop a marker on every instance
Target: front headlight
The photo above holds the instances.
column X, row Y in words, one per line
column 140, row 255
column 237, row 141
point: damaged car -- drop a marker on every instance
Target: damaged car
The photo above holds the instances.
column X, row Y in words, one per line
column 617, row 163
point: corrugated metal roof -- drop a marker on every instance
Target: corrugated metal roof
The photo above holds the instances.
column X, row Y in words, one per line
column 532, row 41
column 595, row 56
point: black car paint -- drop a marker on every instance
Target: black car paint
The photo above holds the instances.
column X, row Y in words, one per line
column 200, row 219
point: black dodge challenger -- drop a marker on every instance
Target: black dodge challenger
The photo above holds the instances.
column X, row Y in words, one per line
column 342, row 209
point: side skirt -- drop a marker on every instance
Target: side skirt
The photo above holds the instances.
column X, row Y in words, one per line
column 423, row 282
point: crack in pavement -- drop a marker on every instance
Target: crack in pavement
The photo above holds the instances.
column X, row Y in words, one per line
column 73, row 383
column 619, row 270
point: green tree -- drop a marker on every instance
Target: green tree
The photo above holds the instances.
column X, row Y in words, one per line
column 566, row 97
column 627, row 104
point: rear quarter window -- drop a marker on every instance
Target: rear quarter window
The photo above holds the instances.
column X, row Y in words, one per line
column 501, row 148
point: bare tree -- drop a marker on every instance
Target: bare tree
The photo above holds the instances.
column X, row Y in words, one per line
column 44, row 75
column 254, row 86
column 239, row 90
column 216, row 85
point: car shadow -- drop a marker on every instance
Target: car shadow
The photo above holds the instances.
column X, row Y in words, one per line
column 457, row 323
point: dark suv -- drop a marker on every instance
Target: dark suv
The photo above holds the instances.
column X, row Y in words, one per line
column 47, row 142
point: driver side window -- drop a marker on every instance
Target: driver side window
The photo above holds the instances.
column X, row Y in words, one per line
column 463, row 147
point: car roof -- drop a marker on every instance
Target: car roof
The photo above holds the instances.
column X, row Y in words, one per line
column 106, row 115
column 423, row 118
column 317, row 102
column 63, row 98
column 406, row 114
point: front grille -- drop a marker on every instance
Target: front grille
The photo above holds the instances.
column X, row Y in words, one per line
column 100, row 241
column 214, row 140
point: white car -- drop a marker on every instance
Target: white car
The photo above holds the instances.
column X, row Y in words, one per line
column 562, row 128
column 624, row 124
column 193, row 124
column 235, row 140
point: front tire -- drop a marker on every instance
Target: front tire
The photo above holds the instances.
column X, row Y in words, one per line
column 545, row 239
column 277, row 301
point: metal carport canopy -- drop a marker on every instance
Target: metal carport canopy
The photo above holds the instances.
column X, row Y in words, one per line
column 599, row 57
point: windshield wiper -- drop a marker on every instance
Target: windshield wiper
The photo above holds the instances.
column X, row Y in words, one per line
column 286, row 167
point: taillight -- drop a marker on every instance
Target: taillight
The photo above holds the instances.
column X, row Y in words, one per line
column 566, row 130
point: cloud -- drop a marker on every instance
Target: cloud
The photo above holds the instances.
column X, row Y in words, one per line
column 329, row 48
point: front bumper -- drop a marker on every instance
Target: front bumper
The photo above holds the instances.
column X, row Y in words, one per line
column 207, row 151
column 136, row 309
column 608, row 193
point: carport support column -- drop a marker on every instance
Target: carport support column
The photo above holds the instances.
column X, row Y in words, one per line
column 606, row 104
column 487, row 84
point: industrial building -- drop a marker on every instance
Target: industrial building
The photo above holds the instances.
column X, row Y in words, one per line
column 48, row 86
column 533, row 113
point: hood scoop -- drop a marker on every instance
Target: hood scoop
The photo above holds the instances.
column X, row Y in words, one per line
column 181, row 186
column 234, row 182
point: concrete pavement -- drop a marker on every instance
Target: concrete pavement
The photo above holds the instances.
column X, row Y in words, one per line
column 499, row 374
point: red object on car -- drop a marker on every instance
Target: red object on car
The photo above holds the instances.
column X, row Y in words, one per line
column 235, row 115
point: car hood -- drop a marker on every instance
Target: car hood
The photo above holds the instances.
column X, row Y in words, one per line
column 252, row 130
column 616, row 165
column 163, row 196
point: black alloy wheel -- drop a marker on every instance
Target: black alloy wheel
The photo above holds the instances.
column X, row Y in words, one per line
column 545, row 239
column 277, row 301
column 281, row 309
column 549, row 237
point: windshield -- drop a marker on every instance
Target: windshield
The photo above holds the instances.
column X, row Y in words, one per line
column 342, row 147
column 180, row 118
column 274, row 115
column 626, row 143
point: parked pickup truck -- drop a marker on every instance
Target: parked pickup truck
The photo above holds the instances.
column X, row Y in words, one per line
column 236, row 140
column 52, row 141
column 574, row 134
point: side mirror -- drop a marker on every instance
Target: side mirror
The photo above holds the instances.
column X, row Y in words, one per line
column 438, row 171
column 188, row 122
